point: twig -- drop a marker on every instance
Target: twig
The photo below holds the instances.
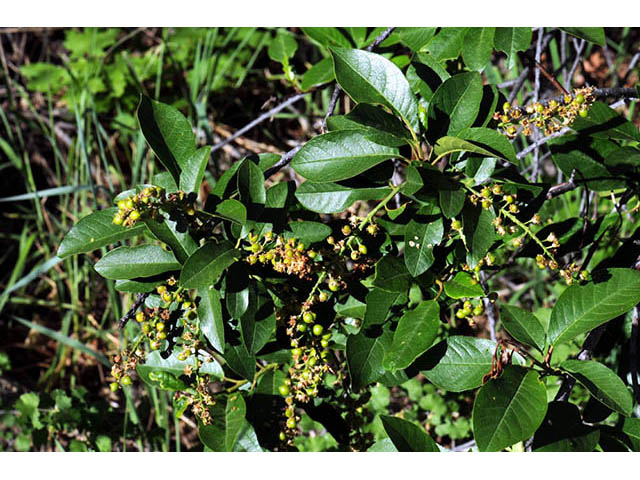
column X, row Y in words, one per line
column 579, row 46
column 132, row 311
column 563, row 55
column 464, row 446
column 489, row 307
column 540, row 142
column 337, row 89
column 283, row 162
column 632, row 64
column 259, row 120
column 536, row 96
column 563, row 187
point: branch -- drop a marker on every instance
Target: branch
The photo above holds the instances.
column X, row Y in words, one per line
column 633, row 353
column 132, row 311
column 259, row 120
column 489, row 307
column 337, row 89
column 540, row 142
column 563, row 187
column 283, row 162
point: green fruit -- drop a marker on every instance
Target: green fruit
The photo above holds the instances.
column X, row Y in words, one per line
column 296, row 352
column 162, row 335
column 311, row 254
column 346, row 230
column 312, row 361
column 324, row 343
column 302, row 327
column 160, row 326
column 506, row 106
column 318, row 329
column 282, row 436
column 362, row 249
column 308, row 317
column 291, row 423
column 355, row 255
column 134, row 215
column 583, row 112
column 155, row 345
column 334, row 285
column 140, row 317
column 122, row 205
column 456, row 224
column 323, row 297
column 128, row 203
column 146, row 328
column 284, row 390
column 126, row 380
column 255, row 248
column 113, row 386
column 478, row 310
column 117, row 219
column 580, row 99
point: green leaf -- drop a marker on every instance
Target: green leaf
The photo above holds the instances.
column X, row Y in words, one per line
column 326, row 36
column 563, row 430
column 447, row 44
column 232, row 210
column 590, row 34
column 365, row 355
column 447, row 145
column 168, row 133
column 282, row 47
column 458, row 363
column 602, row 383
column 407, row 436
column 419, row 240
column 352, row 308
column 480, row 233
column 378, row 304
column 491, row 140
column 210, row 316
column 391, row 274
column 155, row 369
column 307, row 232
column 138, row 286
column 371, row 78
column 586, row 155
column 167, row 231
column 416, row 331
column 508, row 409
column 95, row 231
column 415, row 37
column 193, row 170
column 477, row 47
column 425, row 74
column 335, row 198
column 318, row 74
column 124, row 263
column 604, row 122
column 251, row 184
column 339, row 155
column 380, row 126
column 205, row 266
column 581, row 308
column 524, row 326
column 228, row 419
column 455, row 104
column 451, row 196
column 512, row 40
column 259, row 321
column 240, row 361
column 463, row 285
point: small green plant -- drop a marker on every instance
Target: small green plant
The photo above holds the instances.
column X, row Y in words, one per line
column 264, row 309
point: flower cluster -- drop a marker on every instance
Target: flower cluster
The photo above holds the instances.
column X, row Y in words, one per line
column 130, row 209
column 549, row 116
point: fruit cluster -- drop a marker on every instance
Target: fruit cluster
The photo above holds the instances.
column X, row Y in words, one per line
column 549, row 116
column 288, row 256
column 470, row 309
column 130, row 209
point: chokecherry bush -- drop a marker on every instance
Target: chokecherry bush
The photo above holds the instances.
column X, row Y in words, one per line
column 429, row 236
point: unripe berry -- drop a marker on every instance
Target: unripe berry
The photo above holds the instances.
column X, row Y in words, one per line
column 113, row 386
column 460, row 313
column 134, row 215
column 485, row 192
column 346, row 230
column 302, row 327
column 167, row 297
column 308, row 317
column 311, row 254
column 456, row 224
column 284, row 390
column 140, row 317
column 355, row 255
column 580, row 99
column 122, row 205
column 146, row 328
column 155, row 345
column 324, row 343
column 372, row 229
column 255, row 247
column 583, row 112
column 160, row 326
column 129, row 203
column 331, row 240
column 478, row 310
column 362, row 249
column 318, row 329
column 282, row 436
column 162, row 335
column 117, row 219
column 506, row 106
column 126, row 380
column 291, row 423
column 296, row 352
column 486, row 204
column 333, row 285
column 323, row 297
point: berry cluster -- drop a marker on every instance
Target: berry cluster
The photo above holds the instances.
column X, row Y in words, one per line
column 130, row 209
column 470, row 309
column 549, row 116
column 285, row 256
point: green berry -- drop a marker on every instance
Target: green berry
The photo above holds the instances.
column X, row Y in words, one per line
column 323, row 297
column 318, row 329
column 284, row 390
column 167, row 297
column 296, row 352
column 117, row 219
column 122, row 205
column 291, row 423
column 282, row 436
column 302, row 327
column 460, row 313
column 308, row 317
column 456, row 224
column 324, row 343
column 334, row 285
column 355, row 255
column 300, row 247
column 311, row 254
column 362, row 249
column 140, row 317
column 312, row 361
column 372, row 229
column 128, row 203
column 134, row 215
column 580, row 99
column 539, row 108
column 146, row 328
column 160, row 326
column 583, row 112
column 162, row 335
column 346, row 230
column 506, row 106
column 478, row 310
column 156, row 344
column 126, row 380
column 255, row 248
column 113, row 386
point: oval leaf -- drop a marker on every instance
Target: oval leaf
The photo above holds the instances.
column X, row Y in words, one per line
column 205, row 266
column 523, row 326
column 416, row 331
column 339, row 155
column 95, row 231
column 463, row 285
column 228, row 419
column 455, row 104
column 124, row 263
column 370, row 78
column 333, row 198
column 581, row 308
column 419, row 240
column 602, row 383
column 210, row 316
column 407, row 436
column 508, row 409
